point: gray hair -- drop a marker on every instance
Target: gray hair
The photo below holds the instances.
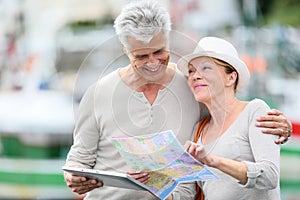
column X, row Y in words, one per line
column 142, row 20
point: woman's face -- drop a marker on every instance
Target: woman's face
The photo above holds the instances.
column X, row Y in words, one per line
column 206, row 79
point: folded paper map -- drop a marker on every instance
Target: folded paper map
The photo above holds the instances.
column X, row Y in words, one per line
column 164, row 158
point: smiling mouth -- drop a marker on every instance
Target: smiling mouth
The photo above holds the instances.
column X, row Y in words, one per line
column 153, row 69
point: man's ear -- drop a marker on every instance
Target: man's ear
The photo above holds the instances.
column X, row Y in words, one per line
column 125, row 51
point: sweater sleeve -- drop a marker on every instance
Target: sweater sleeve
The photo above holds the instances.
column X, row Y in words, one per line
column 185, row 191
column 86, row 134
column 263, row 172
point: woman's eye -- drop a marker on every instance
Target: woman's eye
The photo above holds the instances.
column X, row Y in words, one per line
column 205, row 68
column 191, row 71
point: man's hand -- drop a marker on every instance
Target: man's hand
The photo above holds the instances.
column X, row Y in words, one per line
column 142, row 177
column 80, row 184
column 275, row 123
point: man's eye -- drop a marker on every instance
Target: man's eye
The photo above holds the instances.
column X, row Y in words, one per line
column 158, row 52
column 141, row 57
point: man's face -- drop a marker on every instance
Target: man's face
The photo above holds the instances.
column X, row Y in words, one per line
column 149, row 61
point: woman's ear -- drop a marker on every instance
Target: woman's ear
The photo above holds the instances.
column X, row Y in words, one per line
column 232, row 77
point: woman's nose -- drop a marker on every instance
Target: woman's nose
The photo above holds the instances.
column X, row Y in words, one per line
column 197, row 78
column 197, row 75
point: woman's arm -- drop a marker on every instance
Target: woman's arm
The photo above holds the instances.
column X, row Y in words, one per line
column 233, row 168
column 263, row 171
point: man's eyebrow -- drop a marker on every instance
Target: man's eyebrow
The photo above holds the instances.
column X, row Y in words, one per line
column 140, row 55
column 161, row 49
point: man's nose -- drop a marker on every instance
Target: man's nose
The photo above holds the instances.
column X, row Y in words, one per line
column 152, row 59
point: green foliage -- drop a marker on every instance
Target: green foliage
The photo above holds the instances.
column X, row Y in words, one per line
column 284, row 12
column 86, row 25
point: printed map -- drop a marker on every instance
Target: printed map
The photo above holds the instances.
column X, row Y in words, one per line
column 164, row 158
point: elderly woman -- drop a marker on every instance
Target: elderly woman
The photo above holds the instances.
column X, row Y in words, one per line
column 246, row 160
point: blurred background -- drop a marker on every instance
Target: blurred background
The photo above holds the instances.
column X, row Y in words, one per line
column 52, row 50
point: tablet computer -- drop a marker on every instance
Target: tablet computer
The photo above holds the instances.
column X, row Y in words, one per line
column 109, row 178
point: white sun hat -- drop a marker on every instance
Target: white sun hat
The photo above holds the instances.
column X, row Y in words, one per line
column 221, row 49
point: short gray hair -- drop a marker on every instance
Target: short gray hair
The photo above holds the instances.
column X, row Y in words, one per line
column 142, row 20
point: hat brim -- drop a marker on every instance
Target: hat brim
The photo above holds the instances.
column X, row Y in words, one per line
column 238, row 64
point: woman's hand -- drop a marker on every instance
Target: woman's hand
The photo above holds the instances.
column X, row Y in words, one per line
column 142, row 177
column 199, row 153
column 275, row 123
column 236, row 169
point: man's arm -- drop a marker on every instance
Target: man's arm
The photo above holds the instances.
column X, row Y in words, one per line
column 275, row 123
column 83, row 151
